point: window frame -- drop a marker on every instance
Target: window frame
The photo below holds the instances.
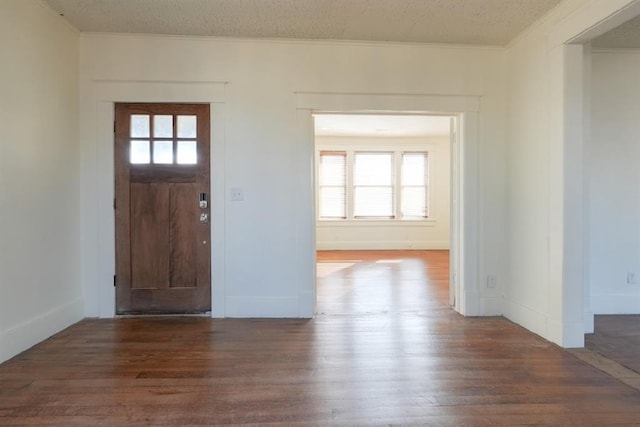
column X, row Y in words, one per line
column 153, row 141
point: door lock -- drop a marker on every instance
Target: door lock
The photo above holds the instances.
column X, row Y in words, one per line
column 203, row 201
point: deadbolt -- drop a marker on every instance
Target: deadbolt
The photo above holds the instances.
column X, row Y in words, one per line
column 203, row 201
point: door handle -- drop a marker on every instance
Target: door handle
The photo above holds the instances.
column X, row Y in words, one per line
column 204, row 218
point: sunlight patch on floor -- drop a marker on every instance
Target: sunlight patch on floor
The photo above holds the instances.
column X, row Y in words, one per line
column 324, row 269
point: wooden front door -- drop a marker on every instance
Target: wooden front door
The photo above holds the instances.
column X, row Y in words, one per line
column 162, row 208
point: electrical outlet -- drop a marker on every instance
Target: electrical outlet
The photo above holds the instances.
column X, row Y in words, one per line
column 631, row 278
column 491, row 281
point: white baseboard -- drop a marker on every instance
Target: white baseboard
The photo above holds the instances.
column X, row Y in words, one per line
column 267, row 307
column 526, row 317
column 491, row 306
column 470, row 304
column 25, row 335
column 588, row 322
column 565, row 334
column 615, row 303
column 307, row 305
column 381, row 245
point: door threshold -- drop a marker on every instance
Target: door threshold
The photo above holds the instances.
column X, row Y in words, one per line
column 134, row 315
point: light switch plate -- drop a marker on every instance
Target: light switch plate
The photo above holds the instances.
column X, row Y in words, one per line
column 237, row 195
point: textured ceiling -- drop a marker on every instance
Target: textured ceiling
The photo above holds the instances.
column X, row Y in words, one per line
column 476, row 22
column 626, row 36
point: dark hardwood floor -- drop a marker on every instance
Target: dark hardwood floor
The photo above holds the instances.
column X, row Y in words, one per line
column 617, row 337
column 385, row 349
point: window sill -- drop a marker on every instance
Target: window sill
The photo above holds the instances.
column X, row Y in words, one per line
column 376, row 222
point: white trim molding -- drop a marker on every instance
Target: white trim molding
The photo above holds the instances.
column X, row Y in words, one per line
column 98, row 221
column 466, row 108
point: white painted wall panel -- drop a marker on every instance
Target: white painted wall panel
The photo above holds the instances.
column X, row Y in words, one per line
column 40, row 291
column 614, row 183
column 263, row 235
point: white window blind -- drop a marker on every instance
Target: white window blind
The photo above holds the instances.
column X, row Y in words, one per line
column 373, row 185
column 332, row 197
column 414, row 185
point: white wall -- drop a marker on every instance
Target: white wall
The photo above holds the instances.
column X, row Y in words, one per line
column 431, row 233
column 614, row 182
column 258, row 147
column 40, row 291
column 528, row 184
column 546, row 214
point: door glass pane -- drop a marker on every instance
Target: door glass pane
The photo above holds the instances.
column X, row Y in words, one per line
column 163, row 126
column 163, row 152
column 139, row 152
column 187, row 152
column 187, row 127
column 139, row 126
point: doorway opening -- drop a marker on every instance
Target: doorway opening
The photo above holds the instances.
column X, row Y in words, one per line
column 383, row 212
column 611, row 236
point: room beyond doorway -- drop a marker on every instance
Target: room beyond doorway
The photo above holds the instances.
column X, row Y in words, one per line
column 383, row 182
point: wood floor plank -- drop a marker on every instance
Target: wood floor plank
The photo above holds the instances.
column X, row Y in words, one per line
column 385, row 349
column 617, row 337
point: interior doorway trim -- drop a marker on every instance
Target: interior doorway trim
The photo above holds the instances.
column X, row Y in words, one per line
column 465, row 109
column 98, row 245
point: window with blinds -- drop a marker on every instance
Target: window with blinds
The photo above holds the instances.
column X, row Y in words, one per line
column 332, row 185
column 373, row 185
column 413, row 186
column 360, row 185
